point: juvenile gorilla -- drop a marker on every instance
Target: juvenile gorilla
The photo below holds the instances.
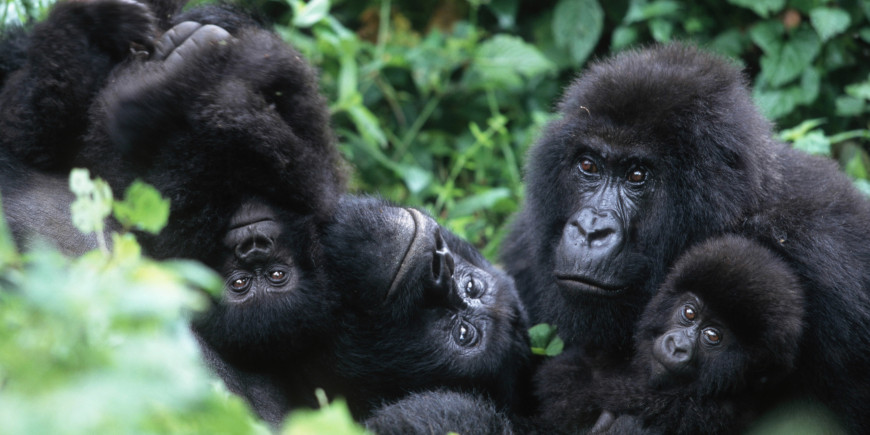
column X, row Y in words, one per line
column 422, row 310
column 659, row 149
column 724, row 328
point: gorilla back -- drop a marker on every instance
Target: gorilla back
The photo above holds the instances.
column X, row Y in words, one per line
column 659, row 149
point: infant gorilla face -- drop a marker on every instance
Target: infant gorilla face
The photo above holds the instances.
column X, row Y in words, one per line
column 424, row 308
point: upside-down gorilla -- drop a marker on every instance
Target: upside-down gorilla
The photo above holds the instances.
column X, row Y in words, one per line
column 657, row 150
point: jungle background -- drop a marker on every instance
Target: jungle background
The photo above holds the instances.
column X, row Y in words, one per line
column 436, row 103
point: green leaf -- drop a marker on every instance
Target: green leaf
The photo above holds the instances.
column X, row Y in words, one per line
column 800, row 130
column 555, row 347
column 577, row 26
column 415, row 177
column 623, row 37
column 333, row 418
column 93, row 202
column 768, row 35
column 829, row 22
column 642, row 11
column 814, row 142
column 505, row 60
column 480, row 201
column 142, row 208
column 783, row 66
column 307, row 15
column 544, row 340
column 366, row 123
column 763, row 8
column 849, row 106
column 859, row 90
column 661, row 29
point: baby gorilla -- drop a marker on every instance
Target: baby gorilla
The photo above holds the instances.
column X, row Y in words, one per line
column 725, row 325
column 421, row 310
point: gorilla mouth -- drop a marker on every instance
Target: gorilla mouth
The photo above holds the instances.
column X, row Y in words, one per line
column 584, row 284
column 417, row 244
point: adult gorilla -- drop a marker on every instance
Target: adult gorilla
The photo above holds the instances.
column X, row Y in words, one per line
column 657, row 150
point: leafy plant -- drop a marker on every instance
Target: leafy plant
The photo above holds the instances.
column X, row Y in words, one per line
column 101, row 343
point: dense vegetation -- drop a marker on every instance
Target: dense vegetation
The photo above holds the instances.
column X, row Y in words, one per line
column 436, row 103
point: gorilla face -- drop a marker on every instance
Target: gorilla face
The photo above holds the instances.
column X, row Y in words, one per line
column 274, row 303
column 655, row 150
column 423, row 308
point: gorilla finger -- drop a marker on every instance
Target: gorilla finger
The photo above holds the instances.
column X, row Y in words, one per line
column 201, row 38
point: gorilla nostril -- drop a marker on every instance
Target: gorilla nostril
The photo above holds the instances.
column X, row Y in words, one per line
column 254, row 247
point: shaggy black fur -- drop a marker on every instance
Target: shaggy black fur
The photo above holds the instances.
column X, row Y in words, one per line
column 656, row 150
column 681, row 380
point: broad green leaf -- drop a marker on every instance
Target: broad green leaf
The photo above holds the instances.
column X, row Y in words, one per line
column 623, row 37
column 763, row 8
column 309, row 14
column 480, row 201
column 415, row 177
column 768, row 35
column 783, row 66
column 142, row 208
column 577, row 26
column 814, row 142
column 829, row 22
column 505, row 60
column 850, row 106
column 800, row 130
column 661, row 29
column 859, row 90
column 640, row 10
column 333, row 418
column 366, row 123
column 544, row 340
column 93, row 202
column 555, row 347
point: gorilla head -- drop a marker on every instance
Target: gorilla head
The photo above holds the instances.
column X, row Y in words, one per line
column 422, row 308
column 724, row 328
column 728, row 317
column 654, row 151
column 274, row 308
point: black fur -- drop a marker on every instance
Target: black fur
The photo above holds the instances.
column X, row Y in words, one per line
column 751, row 298
column 439, row 413
column 709, row 165
column 408, row 288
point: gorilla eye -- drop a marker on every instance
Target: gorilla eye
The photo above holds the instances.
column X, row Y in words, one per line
column 276, row 276
column 712, row 336
column 464, row 334
column 239, row 285
column 689, row 313
column 474, row 289
column 588, row 166
column 637, row 175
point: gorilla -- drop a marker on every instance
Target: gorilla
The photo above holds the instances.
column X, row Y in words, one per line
column 240, row 145
column 724, row 328
column 364, row 299
column 658, row 149
column 421, row 309
column 438, row 412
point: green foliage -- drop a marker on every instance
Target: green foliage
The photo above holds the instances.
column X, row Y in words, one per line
column 545, row 341
column 101, row 343
column 437, row 103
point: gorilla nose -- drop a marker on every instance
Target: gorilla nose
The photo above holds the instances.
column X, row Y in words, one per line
column 440, row 288
column 597, row 229
column 678, row 349
column 254, row 248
